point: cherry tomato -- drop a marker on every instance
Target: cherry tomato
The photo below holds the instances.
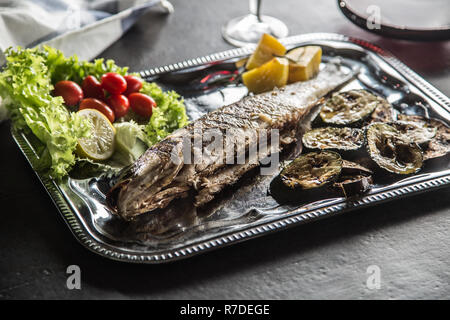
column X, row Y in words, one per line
column 92, row 103
column 142, row 104
column 119, row 104
column 114, row 83
column 134, row 84
column 92, row 88
column 70, row 91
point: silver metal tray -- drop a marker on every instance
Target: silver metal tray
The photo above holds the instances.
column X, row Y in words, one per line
column 245, row 211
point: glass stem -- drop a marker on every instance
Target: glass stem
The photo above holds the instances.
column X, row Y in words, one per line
column 255, row 8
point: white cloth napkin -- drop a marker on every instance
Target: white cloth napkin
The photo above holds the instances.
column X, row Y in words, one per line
column 82, row 27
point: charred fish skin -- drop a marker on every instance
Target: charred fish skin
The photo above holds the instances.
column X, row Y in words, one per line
column 162, row 173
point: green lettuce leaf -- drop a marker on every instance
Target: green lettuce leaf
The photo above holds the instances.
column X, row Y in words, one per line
column 26, row 83
column 25, row 86
column 131, row 143
column 169, row 115
column 70, row 68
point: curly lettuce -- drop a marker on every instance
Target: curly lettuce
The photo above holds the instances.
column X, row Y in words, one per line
column 26, row 83
column 25, row 86
column 71, row 68
column 169, row 115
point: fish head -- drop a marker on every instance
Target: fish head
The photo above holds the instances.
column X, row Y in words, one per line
column 137, row 185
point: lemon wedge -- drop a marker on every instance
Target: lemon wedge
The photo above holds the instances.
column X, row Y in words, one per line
column 304, row 63
column 99, row 145
column 268, row 47
column 268, row 76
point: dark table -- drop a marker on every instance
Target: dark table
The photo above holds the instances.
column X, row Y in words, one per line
column 407, row 239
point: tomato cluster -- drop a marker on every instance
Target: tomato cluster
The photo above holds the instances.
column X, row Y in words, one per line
column 113, row 96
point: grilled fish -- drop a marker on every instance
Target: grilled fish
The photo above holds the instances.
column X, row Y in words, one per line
column 166, row 170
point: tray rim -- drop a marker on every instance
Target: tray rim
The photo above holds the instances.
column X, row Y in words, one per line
column 395, row 31
column 232, row 237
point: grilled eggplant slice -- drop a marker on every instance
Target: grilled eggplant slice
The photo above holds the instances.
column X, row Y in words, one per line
column 353, row 185
column 392, row 151
column 414, row 131
column 354, row 179
column 439, row 145
column 349, row 108
column 312, row 170
column 353, row 168
column 384, row 112
column 307, row 177
column 332, row 138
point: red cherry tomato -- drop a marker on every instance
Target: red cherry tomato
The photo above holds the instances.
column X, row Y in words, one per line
column 114, row 83
column 134, row 84
column 119, row 104
column 70, row 91
column 92, row 88
column 142, row 104
column 92, row 103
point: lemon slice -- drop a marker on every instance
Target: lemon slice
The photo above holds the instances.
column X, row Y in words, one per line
column 99, row 145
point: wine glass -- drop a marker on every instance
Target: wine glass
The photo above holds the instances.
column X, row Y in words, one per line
column 248, row 29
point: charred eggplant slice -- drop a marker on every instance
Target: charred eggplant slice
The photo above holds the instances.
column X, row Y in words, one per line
column 307, row 177
column 353, row 168
column 312, row 170
column 332, row 138
column 439, row 145
column 392, row 151
column 414, row 131
column 354, row 179
column 384, row 112
column 350, row 107
column 353, row 185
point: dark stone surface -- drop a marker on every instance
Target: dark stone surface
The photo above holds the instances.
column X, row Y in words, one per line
column 408, row 239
